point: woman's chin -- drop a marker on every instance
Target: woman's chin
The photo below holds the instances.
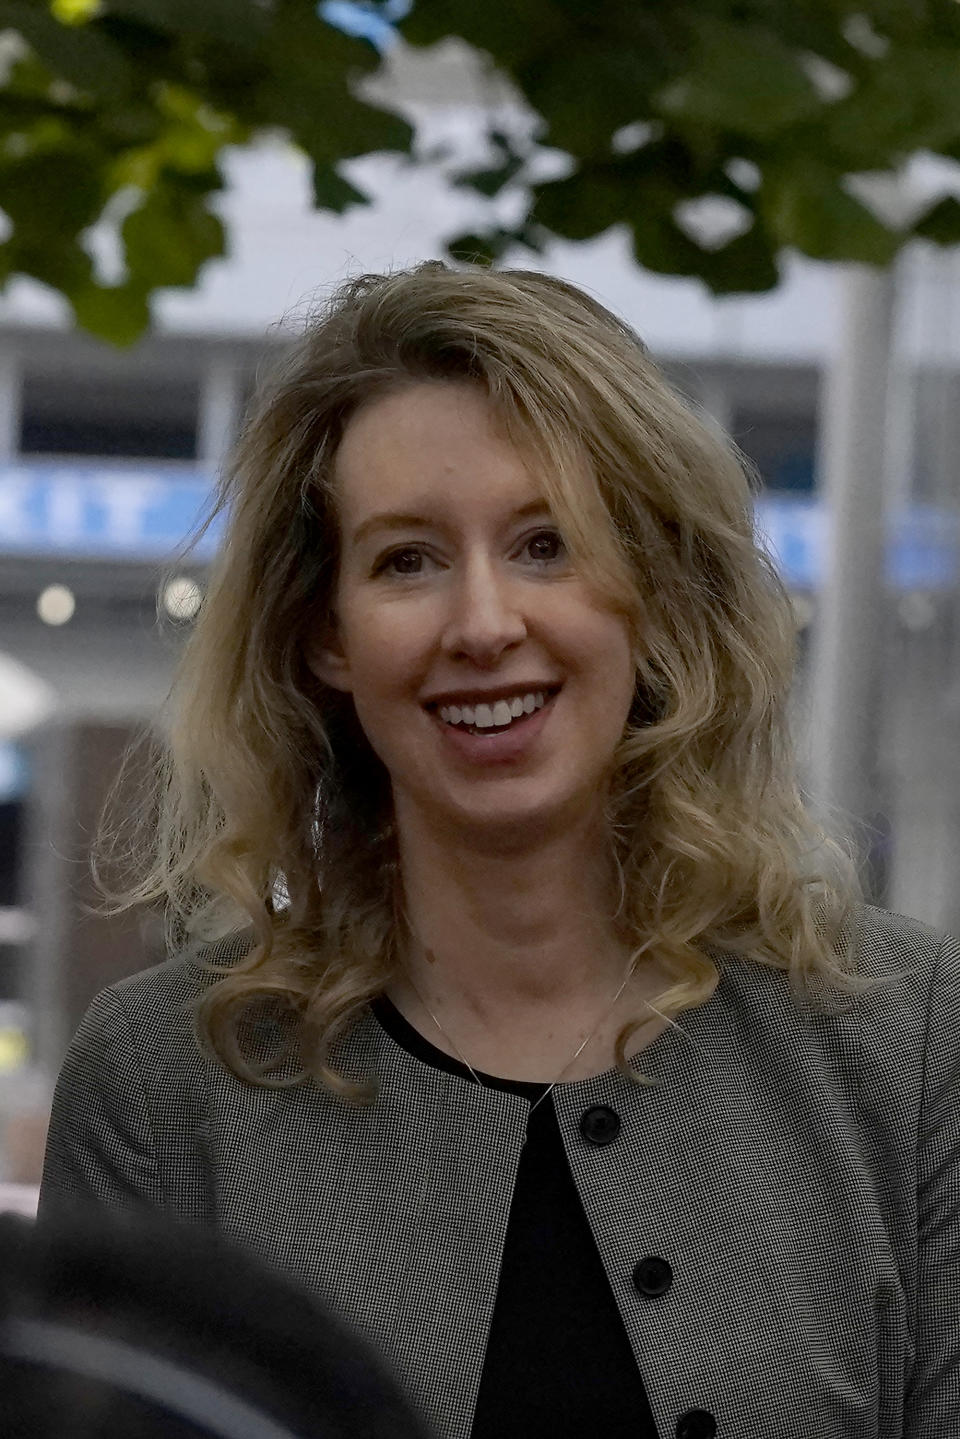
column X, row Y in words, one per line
column 516, row 828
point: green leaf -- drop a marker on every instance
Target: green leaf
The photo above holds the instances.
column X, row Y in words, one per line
column 583, row 204
column 490, row 182
column 809, row 209
column 241, row 24
column 479, row 249
column 59, row 262
column 332, row 192
column 909, row 101
column 305, row 90
column 651, row 180
column 336, row 127
column 133, row 124
column 622, row 79
column 188, row 138
column 74, row 12
column 511, row 33
column 79, row 54
column 747, row 264
column 744, row 79
column 117, row 313
column 661, row 246
column 52, row 193
column 170, row 236
column 941, row 223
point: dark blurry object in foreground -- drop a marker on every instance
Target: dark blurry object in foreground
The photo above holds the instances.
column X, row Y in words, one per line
column 121, row 1326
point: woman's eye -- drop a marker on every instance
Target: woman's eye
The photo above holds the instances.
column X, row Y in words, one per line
column 545, row 547
column 400, row 562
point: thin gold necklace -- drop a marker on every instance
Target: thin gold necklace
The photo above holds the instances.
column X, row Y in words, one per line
column 575, row 1056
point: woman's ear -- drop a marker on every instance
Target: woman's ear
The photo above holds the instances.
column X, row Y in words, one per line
column 326, row 658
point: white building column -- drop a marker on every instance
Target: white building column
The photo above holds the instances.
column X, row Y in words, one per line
column 849, row 634
column 11, row 401
column 714, row 396
column 927, row 853
column 219, row 410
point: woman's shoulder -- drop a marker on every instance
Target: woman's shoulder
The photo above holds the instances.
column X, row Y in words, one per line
column 888, row 939
column 156, row 1005
column 182, row 975
column 900, row 1025
column 921, row 967
column 896, row 1038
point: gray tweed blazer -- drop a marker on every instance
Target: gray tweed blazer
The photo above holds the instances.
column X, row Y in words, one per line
column 800, row 1176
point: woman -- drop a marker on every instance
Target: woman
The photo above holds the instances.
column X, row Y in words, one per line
column 479, row 775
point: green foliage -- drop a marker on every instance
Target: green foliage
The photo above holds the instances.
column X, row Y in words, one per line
column 125, row 107
column 171, row 235
column 809, row 92
column 808, row 208
column 119, row 313
column 131, row 103
column 742, row 79
column 941, row 223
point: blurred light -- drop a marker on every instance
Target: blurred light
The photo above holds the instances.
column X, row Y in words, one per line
column 803, row 611
column 917, row 610
column 858, row 31
column 370, row 21
column 14, row 1049
column 16, row 927
column 75, row 12
column 25, row 699
column 743, row 173
column 633, row 136
column 829, row 81
column 14, row 778
column 712, row 220
column 56, row 605
column 182, row 598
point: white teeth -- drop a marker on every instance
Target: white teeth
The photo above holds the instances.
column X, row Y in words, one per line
column 501, row 712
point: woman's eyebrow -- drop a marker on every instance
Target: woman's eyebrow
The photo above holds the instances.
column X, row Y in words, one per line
column 402, row 520
column 389, row 520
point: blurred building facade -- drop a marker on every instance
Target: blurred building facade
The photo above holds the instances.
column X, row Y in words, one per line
column 107, row 457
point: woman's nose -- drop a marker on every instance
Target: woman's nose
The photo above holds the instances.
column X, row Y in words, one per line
column 486, row 614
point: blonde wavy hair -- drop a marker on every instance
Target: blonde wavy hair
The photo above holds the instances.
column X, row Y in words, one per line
column 269, row 825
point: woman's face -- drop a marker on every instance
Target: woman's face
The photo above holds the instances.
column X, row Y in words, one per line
column 487, row 676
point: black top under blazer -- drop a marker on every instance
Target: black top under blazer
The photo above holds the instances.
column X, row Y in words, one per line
column 798, row 1173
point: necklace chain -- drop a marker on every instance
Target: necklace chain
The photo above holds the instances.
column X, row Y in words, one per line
column 575, row 1056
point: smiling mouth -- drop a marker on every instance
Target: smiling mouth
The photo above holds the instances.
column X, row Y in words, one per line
column 493, row 717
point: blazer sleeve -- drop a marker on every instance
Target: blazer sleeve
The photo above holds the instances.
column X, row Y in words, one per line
column 101, row 1145
column 933, row 1400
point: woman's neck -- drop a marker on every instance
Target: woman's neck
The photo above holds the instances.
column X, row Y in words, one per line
column 499, row 931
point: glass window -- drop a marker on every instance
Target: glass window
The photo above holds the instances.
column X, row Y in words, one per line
column 113, row 416
column 783, row 447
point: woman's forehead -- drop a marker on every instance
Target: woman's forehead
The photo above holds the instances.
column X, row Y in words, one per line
column 430, row 445
column 428, row 414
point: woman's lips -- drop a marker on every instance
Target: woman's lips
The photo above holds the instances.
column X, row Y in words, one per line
column 505, row 747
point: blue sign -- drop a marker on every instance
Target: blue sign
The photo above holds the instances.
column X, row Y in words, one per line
column 98, row 511
column 134, row 512
column 923, row 543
